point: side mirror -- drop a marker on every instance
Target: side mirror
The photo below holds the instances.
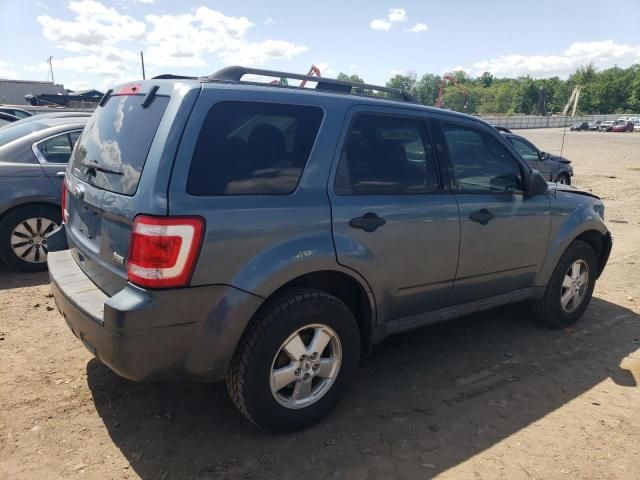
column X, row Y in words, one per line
column 537, row 184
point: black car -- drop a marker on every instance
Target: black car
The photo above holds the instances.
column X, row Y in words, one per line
column 16, row 112
column 6, row 119
column 580, row 126
column 554, row 167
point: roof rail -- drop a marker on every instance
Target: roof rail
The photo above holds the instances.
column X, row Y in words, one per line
column 170, row 76
column 235, row 74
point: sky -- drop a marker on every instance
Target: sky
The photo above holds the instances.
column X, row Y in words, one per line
column 96, row 43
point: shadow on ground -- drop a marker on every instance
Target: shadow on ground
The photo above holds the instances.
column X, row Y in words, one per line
column 11, row 278
column 423, row 402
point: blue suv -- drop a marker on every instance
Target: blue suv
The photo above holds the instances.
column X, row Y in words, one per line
column 268, row 234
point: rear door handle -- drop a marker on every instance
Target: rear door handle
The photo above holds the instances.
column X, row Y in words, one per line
column 369, row 222
column 60, row 174
column 482, row 216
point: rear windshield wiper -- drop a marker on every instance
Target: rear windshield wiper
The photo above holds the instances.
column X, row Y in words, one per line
column 96, row 167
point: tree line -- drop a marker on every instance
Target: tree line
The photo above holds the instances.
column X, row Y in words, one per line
column 613, row 90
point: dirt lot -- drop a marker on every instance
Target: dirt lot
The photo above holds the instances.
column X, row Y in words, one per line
column 487, row 396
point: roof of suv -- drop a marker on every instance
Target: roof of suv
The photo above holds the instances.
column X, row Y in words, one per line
column 231, row 77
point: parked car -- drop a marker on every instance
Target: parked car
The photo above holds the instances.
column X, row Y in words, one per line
column 622, row 127
column 217, row 228
column 577, row 127
column 33, row 157
column 15, row 111
column 42, row 116
column 607, row 125
column 554, row 168
column 7, row 119
column 594, row 126
column 636, row 126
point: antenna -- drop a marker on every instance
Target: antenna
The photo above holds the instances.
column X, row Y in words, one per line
column 50, row 62
column 142, row 62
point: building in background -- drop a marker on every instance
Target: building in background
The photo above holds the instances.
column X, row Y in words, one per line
column 13, row 91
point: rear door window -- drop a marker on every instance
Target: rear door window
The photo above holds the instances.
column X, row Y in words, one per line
column 386, row 155
column 56, row 149
column 251, row 148
column 117, row 138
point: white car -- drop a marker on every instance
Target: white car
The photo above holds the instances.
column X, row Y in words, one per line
column 636, row 126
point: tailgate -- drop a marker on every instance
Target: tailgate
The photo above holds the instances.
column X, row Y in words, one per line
column 104, row 187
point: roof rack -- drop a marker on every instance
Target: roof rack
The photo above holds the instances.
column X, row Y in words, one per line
column 170, row 76
column 235, row 74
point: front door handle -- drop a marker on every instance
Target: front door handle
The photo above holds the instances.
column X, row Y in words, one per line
column 369, row 222
column 61, row 173
column 482, row 216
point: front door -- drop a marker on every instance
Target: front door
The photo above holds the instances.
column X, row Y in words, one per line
column 504, row 234
column 392, row 220
column 532, row 156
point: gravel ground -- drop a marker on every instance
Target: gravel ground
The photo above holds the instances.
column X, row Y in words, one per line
column 487, row 396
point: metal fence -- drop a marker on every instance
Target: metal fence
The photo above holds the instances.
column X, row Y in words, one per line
column 539, row 121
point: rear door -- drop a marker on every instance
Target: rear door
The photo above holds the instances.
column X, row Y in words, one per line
column 392, row 220
column 504, row 234
column 106, row 186
column 54, row 152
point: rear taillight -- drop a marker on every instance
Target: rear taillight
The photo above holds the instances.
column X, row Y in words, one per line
column 164, row 250
column 65, row 212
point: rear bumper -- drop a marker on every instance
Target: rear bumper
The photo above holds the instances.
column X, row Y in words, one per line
column 144, row 334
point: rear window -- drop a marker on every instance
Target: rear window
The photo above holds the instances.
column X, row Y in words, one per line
column 117, row 139
column 250, row 148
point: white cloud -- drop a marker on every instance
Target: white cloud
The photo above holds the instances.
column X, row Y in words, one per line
column 269, row 21
column 95, row 24
column 394, row 15
column 380, row 25
column 602, row 54
column 6, row 71
column 106, row 42
column 181, row 40
column 148, row 2
column 418, row 27
column 397, row 15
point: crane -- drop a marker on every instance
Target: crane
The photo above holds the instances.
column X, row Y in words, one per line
column 573, row 100
column 312, row 71
column 447, row 77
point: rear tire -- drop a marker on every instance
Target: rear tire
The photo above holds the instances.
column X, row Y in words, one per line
column 268, row 348
column 566, row 296
column 23, row 236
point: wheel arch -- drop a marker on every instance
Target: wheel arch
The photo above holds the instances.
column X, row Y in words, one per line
column 352, row 291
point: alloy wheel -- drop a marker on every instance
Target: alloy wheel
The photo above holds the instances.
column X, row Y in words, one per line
column 29, row 239
column 305, row 366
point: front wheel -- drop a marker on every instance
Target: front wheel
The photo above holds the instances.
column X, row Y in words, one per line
column 570, row 288
column 296, row 360
column 564, row 179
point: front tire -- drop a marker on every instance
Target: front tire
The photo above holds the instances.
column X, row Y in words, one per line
column 570, row 288
column 23, row 236
column 296, row 360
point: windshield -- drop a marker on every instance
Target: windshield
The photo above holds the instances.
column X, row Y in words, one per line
column 114, row 145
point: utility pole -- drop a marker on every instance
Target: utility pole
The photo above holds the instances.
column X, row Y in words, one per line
column 50, row 62
column 142, row 62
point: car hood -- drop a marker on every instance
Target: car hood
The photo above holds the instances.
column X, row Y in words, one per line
column 559, row 187
column 558, row 158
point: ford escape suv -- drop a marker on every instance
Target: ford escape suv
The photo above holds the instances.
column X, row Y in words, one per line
column 268, row 234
